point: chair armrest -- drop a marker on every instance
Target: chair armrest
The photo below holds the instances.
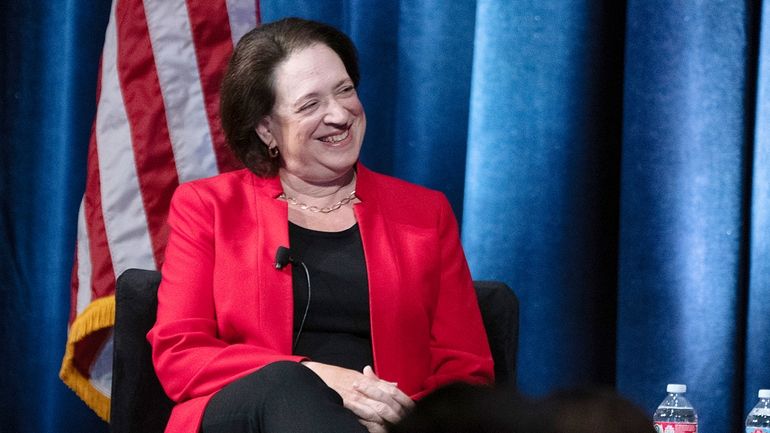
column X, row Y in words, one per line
column 138, row 402
column 500, row 312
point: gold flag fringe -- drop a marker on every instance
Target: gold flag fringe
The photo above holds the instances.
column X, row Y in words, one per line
column 99, row 314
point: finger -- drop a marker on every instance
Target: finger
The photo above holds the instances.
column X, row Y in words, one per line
column 374, row 399
column 381, row 401
column 398, row 395
column 392, row 392
column 402, row 399
column 369, row 372
column 373, row 427
column 375, row 389
column 364, row 410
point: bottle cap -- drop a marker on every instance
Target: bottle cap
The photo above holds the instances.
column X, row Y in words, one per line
column 676, row 388
column 764, row 393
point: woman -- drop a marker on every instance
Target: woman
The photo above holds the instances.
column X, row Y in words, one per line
column 377, row 307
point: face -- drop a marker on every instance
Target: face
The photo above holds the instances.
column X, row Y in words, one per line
column 317, row 122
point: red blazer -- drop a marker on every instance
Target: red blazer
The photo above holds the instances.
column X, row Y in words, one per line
column 224, row 311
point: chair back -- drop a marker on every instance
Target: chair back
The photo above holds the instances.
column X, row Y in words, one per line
column 139, row 404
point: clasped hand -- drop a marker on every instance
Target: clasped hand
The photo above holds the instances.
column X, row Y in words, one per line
column 374, row 401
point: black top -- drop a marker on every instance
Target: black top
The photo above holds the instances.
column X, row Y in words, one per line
column 337, row 329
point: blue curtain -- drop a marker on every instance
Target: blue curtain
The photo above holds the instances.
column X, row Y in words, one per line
column 756, row 299
column 685, row 225
column 609, row 160
column 541, row 195
column 50, row 53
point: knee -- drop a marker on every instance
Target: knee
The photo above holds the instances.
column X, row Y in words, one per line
column 283, row 368
column 287, row 374
column 294, row 381
column 250, row 394
column 277, row 378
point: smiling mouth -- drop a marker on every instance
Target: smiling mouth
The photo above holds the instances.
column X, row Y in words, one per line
column 333, row 139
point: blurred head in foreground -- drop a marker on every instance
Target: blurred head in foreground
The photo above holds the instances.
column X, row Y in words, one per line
column 593, row 410
column 462, row 408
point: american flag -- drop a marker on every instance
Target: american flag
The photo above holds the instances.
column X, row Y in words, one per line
column 156, row 126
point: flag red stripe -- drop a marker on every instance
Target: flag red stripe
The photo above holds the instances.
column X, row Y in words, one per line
column 102, row 271
column 145, row 111
column 213, row 44
column 74, row 283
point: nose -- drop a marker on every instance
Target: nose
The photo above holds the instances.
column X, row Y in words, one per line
column 336, row 113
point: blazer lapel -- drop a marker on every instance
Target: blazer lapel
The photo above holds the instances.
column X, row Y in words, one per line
column 276, row 304
column 382, row 269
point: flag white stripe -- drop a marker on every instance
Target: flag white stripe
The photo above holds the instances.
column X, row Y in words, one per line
column 84, row 296
column 124, row 216
column 243, row 17
column 100, row 371
column 176, row 62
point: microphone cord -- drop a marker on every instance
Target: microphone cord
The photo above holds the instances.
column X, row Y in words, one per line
column 307, row 307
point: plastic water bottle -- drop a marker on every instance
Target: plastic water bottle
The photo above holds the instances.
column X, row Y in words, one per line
column 758, row 420
column 675, row 414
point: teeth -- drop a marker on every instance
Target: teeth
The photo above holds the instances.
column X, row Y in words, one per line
column 336, row 138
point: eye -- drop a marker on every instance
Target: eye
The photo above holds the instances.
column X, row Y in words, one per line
column 308, row 106
column 347, row 89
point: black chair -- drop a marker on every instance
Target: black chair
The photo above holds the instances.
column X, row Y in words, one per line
column 500, row 312
column 139, row 404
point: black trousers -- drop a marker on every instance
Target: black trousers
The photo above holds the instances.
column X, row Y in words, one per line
column 280, row 397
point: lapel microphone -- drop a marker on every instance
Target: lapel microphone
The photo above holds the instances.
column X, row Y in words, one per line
column 283, row 257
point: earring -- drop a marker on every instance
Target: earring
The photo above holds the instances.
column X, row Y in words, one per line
column 273, row 151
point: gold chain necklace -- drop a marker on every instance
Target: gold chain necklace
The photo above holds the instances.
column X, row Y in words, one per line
column 304, row 206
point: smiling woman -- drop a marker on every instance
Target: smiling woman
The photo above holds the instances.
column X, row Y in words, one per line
column 352, row 333
column 316, row 109
column 317, row 126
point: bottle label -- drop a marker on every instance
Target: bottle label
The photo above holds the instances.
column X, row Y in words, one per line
column 676, row 427
column 757, row 429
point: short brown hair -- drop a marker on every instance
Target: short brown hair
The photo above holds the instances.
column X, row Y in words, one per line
column 248, row 91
